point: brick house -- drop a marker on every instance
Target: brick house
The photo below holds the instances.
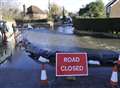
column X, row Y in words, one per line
column 113, row 9
column 35, row 13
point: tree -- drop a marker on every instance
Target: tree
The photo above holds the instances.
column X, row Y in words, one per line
column 55, row 9
column 94, row 9
column 11, row 13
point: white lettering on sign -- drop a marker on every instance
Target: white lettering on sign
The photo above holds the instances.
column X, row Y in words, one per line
column 71, row 68
column 70, row 59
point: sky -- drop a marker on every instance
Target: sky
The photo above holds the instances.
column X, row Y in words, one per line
column 70, row 5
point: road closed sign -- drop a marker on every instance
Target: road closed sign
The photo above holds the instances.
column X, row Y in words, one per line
column 71, row 64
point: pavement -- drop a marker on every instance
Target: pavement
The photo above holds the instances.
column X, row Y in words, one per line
column 20, row 71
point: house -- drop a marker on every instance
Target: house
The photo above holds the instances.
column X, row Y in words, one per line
column 113, row 9
column 35, row 13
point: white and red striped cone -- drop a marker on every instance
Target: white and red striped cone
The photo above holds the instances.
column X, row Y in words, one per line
column 118, row 60
column 118, row 63
column 114, row 77
column 43, row 78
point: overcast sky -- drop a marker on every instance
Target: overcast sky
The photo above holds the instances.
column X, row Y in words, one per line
column 70, row 5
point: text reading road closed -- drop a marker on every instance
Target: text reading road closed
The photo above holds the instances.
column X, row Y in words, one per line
column 71, row 59
column 71, row 67
column 71, row 64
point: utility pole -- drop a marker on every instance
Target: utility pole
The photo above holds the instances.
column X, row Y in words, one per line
column 63, row 14
column 49, row 10
column 49, row 5
column 24, row 10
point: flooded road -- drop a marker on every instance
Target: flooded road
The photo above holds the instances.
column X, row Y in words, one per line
column 63, row 39
column 23, row 72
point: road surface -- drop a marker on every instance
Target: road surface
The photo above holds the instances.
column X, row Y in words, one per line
column 23, row 72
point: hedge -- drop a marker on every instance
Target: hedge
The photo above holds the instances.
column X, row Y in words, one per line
column 97, row 25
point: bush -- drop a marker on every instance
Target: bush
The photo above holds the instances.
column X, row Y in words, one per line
column 98, row 24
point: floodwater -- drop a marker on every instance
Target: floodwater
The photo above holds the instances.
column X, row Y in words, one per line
column 63, row 39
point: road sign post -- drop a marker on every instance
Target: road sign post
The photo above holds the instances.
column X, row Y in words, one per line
column 71, row 64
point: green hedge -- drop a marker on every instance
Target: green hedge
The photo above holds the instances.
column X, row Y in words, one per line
column 97, row 25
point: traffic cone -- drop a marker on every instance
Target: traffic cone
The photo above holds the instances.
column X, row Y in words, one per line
column 118, row 63
column 114, row 78
column 43, row 78
column 118, row 60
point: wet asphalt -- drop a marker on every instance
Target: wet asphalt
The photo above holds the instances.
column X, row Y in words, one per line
column 21, row 71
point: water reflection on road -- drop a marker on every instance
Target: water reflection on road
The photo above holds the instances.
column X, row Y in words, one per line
column 63, row 38
column 53, row 40
column 65, row 29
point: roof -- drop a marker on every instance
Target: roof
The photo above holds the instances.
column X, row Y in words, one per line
column 34, row 9
column 110, row 4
